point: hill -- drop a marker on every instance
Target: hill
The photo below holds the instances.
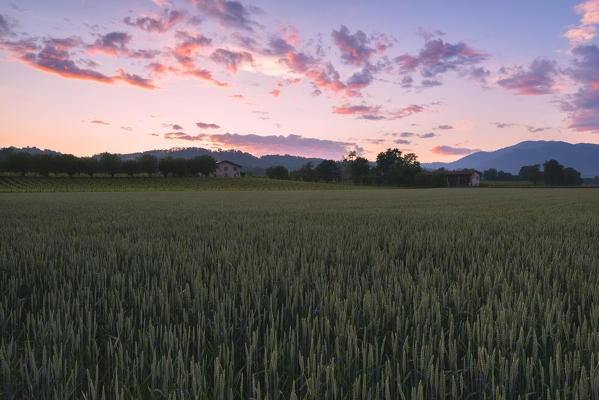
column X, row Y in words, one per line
column 583, row 157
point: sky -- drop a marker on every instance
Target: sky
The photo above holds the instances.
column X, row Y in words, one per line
column 437, row 78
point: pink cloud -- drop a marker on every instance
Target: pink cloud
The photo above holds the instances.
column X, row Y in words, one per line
column 586, row 30
column 203, row 125
column 157, row 23
column 232, row 60
column 537, row 79
column 184, row 136
column 355, row 48
column 127, row 128
column 98, row 122
column 448, row 150
column 279, row 144
column 135, row 80
column 275, row 92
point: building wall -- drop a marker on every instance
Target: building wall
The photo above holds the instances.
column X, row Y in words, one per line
column 475, row 179
column 226, row 170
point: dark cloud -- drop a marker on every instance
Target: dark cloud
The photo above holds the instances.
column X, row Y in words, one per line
column 113, row 43
column 533, row 129
column 360, row 80
column 448, row 150
column 278, row 47
column 160, row 24
column 427, row 135
column 376, row 112
column 157, row 68
column 428, row 35
column 537, row 79
column 144, row 54
column 583, row 106
column 228, row 14
column 406, row 134
column 203, row 125
column 355, row 48
column 231, row 59
column 430, row 83
column 184, row 136
column 406, row 82
column 438, row 57
column 478, row 74
column 445, row 127
column 503, row 125
column 401, row 141
column 5, row 26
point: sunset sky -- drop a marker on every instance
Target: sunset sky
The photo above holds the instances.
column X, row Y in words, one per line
column 440, row 78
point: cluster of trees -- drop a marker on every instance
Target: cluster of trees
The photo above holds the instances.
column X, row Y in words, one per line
column 553, row 173
column 391, row 168
column 106, row 163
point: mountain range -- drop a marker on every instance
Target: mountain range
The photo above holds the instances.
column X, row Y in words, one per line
column 583, row 157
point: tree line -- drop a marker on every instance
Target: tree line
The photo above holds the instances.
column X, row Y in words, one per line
column 552, row 174
column 107, row 163
column 392, row 167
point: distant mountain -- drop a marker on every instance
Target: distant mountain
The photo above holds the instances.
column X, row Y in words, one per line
column 31, row 150
column 583, row 157
column 246, row 160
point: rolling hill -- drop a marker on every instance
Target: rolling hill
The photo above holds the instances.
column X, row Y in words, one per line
column 583, row 157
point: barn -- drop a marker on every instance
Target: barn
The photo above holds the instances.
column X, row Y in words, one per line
column 227, row 169
column 466, row 177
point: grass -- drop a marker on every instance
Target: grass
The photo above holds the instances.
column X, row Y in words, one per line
column 365, row 294
column 120, row 184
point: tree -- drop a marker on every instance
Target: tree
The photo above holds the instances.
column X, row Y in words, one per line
column 166, row 166
column 204, row 165
column 277, row 172
column 554, row 173
column 68, row 164
column 328, row 171
column 148, row 164
column 386, row 159
column 19, row 162
column 43, row 164
column 131, row 167
column 110, row 163
column 360, row 171
column 89, row 166
column 531, row 173
column 490, row 174
column 572, row 177
column 306, row 173
column 180, row 166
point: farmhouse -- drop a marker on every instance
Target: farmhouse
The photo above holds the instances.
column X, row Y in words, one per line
column 466, row 177
column 227, row 169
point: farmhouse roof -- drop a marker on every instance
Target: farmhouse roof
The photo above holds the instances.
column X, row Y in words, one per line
column 461, row 172
column 229, row 162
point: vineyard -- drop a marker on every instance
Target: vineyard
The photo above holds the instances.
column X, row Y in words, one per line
column 361, row 294
column 128, row 184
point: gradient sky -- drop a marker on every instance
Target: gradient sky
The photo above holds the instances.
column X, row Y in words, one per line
column 312, row 78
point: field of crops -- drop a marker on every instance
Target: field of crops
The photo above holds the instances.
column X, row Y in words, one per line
column 129, row 184
column 364, row 294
